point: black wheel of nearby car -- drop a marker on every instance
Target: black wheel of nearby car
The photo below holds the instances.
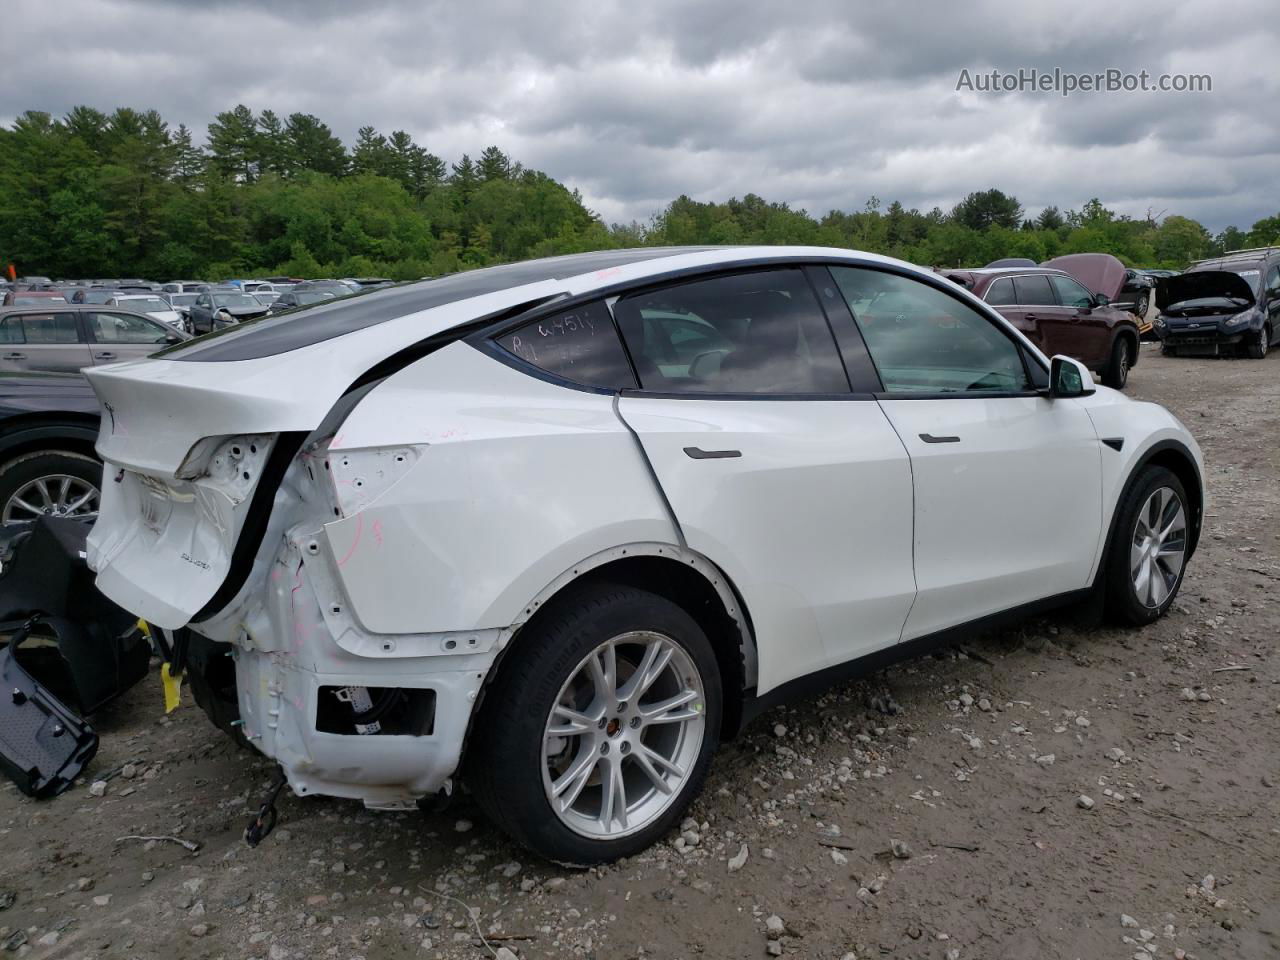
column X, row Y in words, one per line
column 56, row 483
column 1117, row 373
column 1141, row 304
column 1257, row 346
column 600, row 727
column 1148, row 553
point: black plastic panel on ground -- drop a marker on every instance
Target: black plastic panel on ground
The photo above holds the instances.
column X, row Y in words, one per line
column 273, row 335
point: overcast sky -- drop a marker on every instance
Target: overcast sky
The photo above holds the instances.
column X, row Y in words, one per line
column 820, row 104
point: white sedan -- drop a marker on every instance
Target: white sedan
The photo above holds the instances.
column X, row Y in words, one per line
column 153, row 305
column 558, row 528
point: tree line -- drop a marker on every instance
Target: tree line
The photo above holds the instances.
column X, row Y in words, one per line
column 93, row 194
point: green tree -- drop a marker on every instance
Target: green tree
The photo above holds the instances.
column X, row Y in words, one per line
column 233, row 144
column 988, row 208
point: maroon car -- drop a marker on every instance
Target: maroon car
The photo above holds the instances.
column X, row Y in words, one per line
column 1059, row 315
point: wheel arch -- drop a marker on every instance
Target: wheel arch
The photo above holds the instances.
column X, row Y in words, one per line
column 32, row 433
column 1178, row 459
column 681, row 575
column 1131, row 334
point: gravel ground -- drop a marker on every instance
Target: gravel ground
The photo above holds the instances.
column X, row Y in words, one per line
column 1044, row 792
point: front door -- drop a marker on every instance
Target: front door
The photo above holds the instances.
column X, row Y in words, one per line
column 1086, row 330
column 124, row 336
column 1008, row 484
column 796, row 487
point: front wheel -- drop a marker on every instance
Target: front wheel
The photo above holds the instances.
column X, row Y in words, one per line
column 598, row 731
column 1148, row 553
column 1257, row 345
column 1117, row 372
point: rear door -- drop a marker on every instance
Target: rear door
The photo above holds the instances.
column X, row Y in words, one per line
column 795, row 486
column 50, row 341
column 116, row 336
column 1008, row 484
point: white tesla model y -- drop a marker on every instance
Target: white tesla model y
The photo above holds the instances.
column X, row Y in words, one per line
column 558, row 528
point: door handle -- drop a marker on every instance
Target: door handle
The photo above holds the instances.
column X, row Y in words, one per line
column 930, row 438
column 15, row 356
column 108, row 355
column 697, row 453
column 1030, row 316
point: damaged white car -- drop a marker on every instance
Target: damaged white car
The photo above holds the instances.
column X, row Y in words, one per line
column 558, row 528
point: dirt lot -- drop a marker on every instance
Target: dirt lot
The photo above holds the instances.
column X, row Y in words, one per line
column 976, row 760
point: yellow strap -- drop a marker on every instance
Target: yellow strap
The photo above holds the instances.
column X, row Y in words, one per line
column 172, row 688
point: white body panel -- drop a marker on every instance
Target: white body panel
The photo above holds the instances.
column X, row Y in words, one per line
column 520, row 479
column 812, row 522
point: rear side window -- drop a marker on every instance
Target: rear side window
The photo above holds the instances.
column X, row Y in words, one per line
column 1000, row 293
column 50, row 328
column 580, row 345
column 753, row 333
column 11, row 330
column 1034, row 291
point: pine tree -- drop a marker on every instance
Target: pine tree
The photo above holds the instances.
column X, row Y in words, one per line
column 233, row 144
column 312, row 146
column 494, row 165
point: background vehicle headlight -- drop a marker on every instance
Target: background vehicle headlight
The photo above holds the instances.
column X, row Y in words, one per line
column 1240, row 319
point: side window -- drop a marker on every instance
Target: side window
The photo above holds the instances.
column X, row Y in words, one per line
column 11, row 330
column 580, row 345
column 125, row 328
column 1071, row 293
column 1000, row 293
column 1273, row 281
column 1034, row 291
column 930, row 342
column 753, row 333
column 50, row 328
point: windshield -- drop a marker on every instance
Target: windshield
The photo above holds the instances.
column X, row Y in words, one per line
column 235, row 300
column 35, row 301
column 145, row 304
column 183, row 299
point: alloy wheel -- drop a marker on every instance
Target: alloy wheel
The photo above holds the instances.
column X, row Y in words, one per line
column 57, row 495
column 1159, row 547
column 1124, row 363
column 623, row 735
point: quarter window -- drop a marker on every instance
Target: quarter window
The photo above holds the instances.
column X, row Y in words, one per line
column 1071, row 293
column 580, row 345
column 751, row 333
column 11, row 330
column 50, row 328
column 924, row 341
column 1000, row 293
column 1033, row 290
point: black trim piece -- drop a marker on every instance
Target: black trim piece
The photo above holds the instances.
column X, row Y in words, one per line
column 256, row 520
column 697, row 453
column 930, row 438
column 957, row 395
column 822, row 680
column 1181, row 449
column 656, row 395
column 858, row 365
column 1115, row 443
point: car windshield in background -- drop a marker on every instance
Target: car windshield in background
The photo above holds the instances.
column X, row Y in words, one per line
column 307, row 297
column 21, row 301
column 183, row 299
column 145, row 304
column 235, row 300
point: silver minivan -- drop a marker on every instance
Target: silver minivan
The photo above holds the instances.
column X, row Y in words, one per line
column 65, row 337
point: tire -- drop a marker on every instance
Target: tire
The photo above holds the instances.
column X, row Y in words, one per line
column 60, row 470
column 515, row 760
column 1258, row 345
column 1127, row 602
column 1168, row 351
column 1141, row 304
column 1116, row 375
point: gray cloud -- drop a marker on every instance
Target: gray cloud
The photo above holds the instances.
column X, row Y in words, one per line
column 820, row 105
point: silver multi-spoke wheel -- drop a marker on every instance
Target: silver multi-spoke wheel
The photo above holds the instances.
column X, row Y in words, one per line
column 623, row 736
column 1159, row 547
column 56, row 495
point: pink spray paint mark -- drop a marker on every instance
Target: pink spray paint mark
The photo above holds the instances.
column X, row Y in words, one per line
column 377, row 531
column 356, row 542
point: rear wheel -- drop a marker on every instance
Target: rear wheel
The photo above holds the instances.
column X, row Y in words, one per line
column 1149, row 551
column 1117, row 372
column 53, row 483
column 1257, row 346
column 598, row 732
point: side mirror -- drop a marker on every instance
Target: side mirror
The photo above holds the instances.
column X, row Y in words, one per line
column 1069, row 378
column 1101, row 300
